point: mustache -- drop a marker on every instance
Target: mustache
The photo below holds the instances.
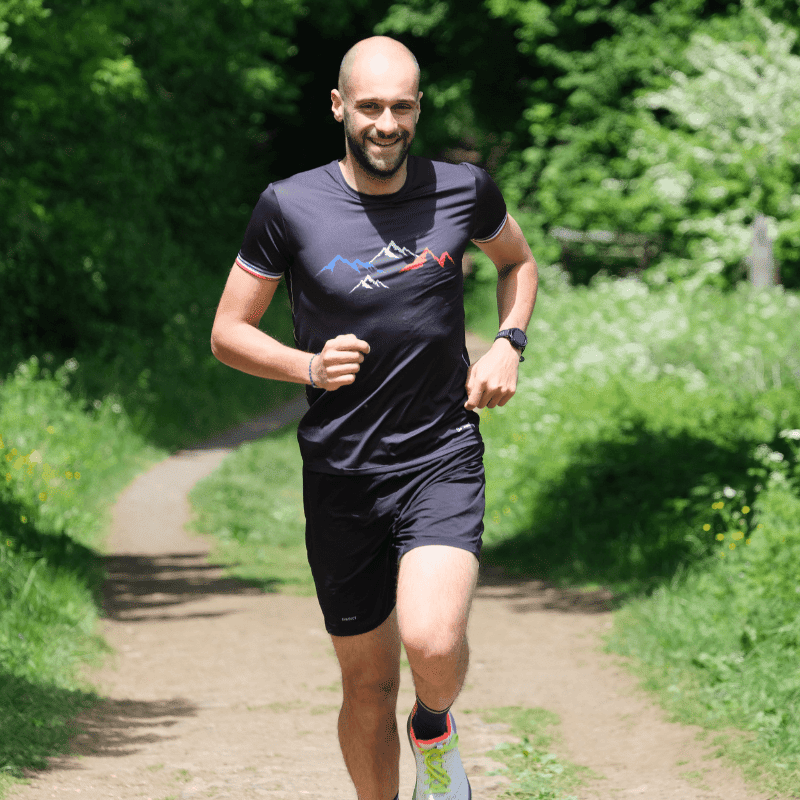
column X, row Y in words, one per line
column 401, row 137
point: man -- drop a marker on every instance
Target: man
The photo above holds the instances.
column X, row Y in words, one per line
column 371, row 249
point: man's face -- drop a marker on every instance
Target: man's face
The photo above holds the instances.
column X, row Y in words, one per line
column 379, row 137
column 380, row 112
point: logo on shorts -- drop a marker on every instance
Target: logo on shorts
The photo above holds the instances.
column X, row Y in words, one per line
column 348, row 619
column 464, row 427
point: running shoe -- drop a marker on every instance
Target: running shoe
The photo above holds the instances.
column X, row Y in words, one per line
column 440, row 773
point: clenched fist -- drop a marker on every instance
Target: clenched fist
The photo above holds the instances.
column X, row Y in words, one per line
column 338, row 362
column 492, row 379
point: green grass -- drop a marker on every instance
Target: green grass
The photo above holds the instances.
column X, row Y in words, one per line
column 61, row 466
column 630, row 417
column 534, row 771
column 720, row 643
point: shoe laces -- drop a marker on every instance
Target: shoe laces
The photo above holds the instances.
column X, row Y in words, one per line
column 438, row 777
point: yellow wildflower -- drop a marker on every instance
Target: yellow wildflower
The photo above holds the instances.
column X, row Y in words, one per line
column 720, row 537
column 745, row 509
column 706, row 527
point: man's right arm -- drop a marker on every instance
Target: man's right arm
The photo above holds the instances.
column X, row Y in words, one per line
column 237, row 341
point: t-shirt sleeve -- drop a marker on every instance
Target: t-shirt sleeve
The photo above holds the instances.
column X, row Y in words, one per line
column 490, row 208
column 264, row 251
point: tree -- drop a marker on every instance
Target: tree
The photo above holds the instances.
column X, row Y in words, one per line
column 727, row 152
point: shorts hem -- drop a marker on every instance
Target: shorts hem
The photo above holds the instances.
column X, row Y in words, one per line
column 361, row 629
column 455, row 544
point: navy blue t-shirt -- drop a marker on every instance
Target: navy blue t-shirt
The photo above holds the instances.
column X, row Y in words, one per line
column 386, row 268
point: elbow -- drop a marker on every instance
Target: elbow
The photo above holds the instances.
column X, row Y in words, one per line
column 217, row 348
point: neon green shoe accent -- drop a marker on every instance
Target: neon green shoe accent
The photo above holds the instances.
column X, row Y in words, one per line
column 438, row 778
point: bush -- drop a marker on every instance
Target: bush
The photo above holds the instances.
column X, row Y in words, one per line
column 62, row 464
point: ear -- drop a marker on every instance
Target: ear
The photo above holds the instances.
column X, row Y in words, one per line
column 337, row 105
column 419, row 106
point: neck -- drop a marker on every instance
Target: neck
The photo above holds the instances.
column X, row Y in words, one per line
column 365, row 183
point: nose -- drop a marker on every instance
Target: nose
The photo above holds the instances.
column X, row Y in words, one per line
column 386, row 124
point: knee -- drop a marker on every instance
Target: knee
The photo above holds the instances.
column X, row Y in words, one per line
column 365, row 688
column 434, row 645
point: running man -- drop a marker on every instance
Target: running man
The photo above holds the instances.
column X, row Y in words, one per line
column 371, row 247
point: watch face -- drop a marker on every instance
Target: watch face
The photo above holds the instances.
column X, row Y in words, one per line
column 518, row 337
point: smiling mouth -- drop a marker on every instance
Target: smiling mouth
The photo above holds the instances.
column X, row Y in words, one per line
column 385, row 144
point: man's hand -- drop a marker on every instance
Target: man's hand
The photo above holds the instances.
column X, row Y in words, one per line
column 492, row 379
column 339, row 361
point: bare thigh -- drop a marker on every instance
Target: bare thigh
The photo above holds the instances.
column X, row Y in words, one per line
column 434, row 594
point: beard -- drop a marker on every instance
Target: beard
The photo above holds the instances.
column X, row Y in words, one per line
column 383, row 167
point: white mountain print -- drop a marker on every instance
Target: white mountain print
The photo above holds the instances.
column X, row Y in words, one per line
column 369, row 283
column 393, row 251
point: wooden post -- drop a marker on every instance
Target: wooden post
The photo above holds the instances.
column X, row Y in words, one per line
column 761, row 267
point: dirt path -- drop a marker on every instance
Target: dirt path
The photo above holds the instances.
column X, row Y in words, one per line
column 218, row 691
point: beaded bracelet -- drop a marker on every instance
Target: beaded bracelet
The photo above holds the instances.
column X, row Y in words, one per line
column 310, row 376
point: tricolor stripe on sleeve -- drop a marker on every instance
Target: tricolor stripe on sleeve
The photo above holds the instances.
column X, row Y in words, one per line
column 255, row 271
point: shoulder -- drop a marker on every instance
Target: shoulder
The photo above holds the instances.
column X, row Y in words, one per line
column 446, row 176
column 309, row 180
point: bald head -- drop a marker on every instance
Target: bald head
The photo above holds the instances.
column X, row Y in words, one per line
column 375, row 57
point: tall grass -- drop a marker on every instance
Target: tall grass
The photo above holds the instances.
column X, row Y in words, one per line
column 634, row 408
column 61, row 464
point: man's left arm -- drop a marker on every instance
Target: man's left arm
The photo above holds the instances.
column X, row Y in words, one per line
column 492, row 379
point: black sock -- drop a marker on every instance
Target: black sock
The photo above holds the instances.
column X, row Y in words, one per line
column 428, row 724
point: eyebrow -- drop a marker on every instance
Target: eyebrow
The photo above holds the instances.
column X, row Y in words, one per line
column 409, row 99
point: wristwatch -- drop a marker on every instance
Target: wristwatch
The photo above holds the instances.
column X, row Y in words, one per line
column 517, row 338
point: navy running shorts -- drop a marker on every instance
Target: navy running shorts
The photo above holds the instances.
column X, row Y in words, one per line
column 359, row 526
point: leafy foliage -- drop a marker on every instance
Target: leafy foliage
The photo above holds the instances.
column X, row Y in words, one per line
column 628, row 418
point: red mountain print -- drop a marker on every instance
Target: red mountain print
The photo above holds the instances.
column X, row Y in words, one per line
column 422, row 259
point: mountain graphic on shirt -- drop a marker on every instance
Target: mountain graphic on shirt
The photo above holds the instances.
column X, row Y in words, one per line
column 422, row 259
column 357, row 265
column 369, row 283
column 390, row 252
column 393, row 251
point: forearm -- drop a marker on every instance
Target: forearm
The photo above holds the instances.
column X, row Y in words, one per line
column 517, row 285
column 248, row 349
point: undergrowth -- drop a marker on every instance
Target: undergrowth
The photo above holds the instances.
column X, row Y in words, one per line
column 61, row 464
